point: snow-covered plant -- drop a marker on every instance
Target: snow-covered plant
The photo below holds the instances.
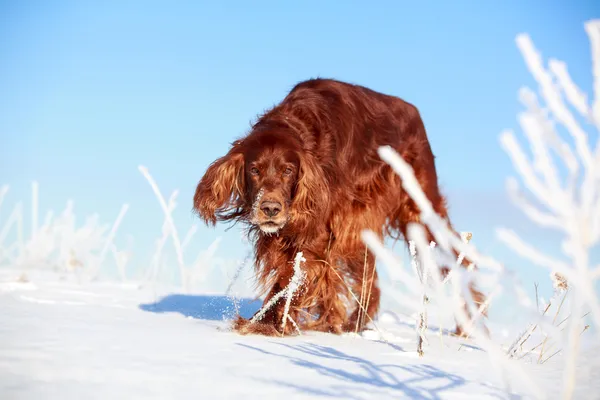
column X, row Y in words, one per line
column 198, row 269
column 423, row 274
column 58, row 243
column 447, row 243
column 61, row 245
column 287, row 293
column 572, row 207
column 295, row 283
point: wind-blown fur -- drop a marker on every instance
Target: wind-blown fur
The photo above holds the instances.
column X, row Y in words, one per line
column 308, row 178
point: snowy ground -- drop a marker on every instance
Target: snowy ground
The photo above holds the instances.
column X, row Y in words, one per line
column 60, row 339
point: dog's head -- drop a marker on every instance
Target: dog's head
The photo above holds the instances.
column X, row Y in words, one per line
column 267, row 180
column 271, row 169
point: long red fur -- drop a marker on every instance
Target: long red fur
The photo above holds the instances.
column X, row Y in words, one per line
column 343, row 187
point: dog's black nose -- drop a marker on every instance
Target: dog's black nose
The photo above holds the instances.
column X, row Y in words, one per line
column 270, row 208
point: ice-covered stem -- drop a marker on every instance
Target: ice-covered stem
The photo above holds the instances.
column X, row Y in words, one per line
column 447, row 240
column 553, row 322
column 551, row 94
column 466, row 237
column 422, row 319
column 121, row 259
column 526, row 334
column 287, row 292
column 396, row 271
column 413, row 260
column 10, row 221
column 160, row 242
column 261, row 313
column 203, row 261
column 34, row 208
column 15, row 218
column 20, row 235
column 168, row 217
column 442, row 233
column 188, row 237
column 109, row 240
column 241, row 265
column 3, row 191
column 575, row 208
column 592, row 29
column 499, row 360
column 236, row 275
column 296, row 281
column 583, row 281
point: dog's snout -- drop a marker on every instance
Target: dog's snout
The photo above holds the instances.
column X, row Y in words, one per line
column 270, row 208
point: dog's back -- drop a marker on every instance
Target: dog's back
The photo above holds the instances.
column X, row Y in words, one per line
column 345, row 124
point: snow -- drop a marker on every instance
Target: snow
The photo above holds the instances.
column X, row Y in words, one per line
column 62, row 339
column 65, row 334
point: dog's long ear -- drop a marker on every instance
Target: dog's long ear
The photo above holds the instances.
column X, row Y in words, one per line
column 311, row 201
column 220, row 192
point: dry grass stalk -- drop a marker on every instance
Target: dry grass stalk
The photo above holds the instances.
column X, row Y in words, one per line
column 363, row 289
column 370, row 286
column 521, row 339
column 553, row 322
column 449, row 243
column 357, row 300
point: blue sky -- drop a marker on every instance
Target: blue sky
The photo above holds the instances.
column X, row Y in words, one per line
column 90, row 90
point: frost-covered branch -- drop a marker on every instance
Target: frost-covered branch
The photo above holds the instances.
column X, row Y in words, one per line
column 109, row 240
column 448, row 243
column 422, row 273
column 574, row 205
column 59, row 243
column 592, row 28
column 288, row 292
column 295, row 283
column 168, row 217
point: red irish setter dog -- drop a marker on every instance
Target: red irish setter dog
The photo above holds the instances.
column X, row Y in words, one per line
column 308, row 178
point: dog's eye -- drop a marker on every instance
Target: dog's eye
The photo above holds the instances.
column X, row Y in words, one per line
column 254, row 171
column 287, row 171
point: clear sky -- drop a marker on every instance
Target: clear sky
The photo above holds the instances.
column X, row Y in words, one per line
column 90, row 90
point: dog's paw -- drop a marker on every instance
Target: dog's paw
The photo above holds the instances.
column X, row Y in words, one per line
column 243, row 326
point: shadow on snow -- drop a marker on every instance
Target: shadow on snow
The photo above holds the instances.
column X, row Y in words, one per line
column 354, row 377
column 207, row 307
